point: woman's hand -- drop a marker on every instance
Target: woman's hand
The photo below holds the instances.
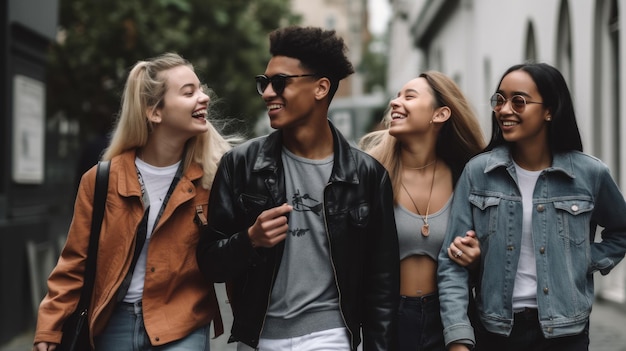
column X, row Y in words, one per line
column 465, row 251
column 44, row 346
column 458, row 347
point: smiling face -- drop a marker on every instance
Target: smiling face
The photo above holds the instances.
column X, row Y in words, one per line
column 413, row 109
column 531, row 125
column 183, row 110
column 296, row 104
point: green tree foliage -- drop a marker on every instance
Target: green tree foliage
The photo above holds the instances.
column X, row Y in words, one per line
column 374, row 64
column 100, row 40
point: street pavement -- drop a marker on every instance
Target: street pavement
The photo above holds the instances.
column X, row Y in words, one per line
column 608, row 328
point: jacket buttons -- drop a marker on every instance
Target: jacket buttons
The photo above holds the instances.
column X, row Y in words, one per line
column 545, row 290
column 540, row 208
column 510, row 248
column 574, row 208
column 152, row 269
column 542, row 250
column 157, row 338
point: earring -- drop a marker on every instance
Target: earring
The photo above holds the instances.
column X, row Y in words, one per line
column 548, row 119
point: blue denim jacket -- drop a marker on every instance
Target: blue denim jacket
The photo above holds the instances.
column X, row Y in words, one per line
column 570, row 199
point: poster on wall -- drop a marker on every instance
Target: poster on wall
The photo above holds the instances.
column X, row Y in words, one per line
column 28, row 130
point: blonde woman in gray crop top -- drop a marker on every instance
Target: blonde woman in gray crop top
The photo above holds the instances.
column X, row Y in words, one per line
column 431, row 133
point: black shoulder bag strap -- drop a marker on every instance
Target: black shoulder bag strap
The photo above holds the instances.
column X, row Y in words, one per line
column 99, row 202
column 75, row 329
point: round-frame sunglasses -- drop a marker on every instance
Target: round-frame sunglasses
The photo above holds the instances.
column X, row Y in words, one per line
column 518, row 102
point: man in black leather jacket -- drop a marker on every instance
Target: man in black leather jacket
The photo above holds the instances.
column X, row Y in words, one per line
column 317, row 267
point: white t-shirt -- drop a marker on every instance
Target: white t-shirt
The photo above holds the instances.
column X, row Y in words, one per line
column 156, row 181
column 525, row 288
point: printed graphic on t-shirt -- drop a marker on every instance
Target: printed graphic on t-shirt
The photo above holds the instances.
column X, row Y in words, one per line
column 304, row 203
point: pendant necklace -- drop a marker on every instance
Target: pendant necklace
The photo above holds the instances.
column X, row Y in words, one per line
column 425, row 227
column 421, row 167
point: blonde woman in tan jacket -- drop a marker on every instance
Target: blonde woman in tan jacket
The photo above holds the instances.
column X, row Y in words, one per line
column 163, row 155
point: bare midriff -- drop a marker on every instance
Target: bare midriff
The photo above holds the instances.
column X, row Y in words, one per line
column 418, row 276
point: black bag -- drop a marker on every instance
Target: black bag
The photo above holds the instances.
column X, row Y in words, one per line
column 76, row 326
column 75, row 332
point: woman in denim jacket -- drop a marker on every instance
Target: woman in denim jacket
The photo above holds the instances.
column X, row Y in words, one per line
column 535, row 201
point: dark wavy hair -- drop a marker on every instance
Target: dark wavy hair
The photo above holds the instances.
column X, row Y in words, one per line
column 320, row 51
column 563, row 133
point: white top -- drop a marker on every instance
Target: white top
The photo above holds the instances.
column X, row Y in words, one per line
column 156, row 181
column 525, row 288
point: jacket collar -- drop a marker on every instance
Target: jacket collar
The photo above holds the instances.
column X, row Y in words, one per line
column 501, row 157
column 344, row 165
column 127, row 182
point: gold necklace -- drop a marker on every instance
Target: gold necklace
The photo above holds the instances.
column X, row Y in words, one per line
column 425, row 227
column 420, row 168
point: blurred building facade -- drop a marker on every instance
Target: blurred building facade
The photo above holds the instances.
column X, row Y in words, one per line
column 475, row 41
column 35, row 196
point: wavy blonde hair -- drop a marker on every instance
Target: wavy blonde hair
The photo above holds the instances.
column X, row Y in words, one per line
column 459, row 139
column 145, row 88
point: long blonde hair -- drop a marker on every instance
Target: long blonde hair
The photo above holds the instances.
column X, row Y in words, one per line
column 145, row 88
column 459, row 139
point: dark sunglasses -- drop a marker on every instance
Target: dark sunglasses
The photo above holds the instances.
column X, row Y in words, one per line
column 518, row 102
column 279, row 81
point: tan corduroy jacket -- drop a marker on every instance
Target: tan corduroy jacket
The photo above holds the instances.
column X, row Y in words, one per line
column 176, row 297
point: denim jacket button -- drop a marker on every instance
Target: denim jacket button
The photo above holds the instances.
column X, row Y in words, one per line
column 540, row 208
column 574, row 208
column 545, row 290
column 542, row 250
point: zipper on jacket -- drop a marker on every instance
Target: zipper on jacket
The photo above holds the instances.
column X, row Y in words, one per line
column 269, row 297
column 332, row 264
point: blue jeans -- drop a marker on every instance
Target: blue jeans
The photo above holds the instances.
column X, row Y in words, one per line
column 419, row 324
column 527, row 335
column 126, row 332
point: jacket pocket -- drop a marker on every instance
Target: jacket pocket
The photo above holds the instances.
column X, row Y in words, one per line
column 485, row 213
column 253, row 204
column 573, row 218
column 359, row 216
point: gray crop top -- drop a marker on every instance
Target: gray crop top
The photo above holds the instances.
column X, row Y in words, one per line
column 410, row 238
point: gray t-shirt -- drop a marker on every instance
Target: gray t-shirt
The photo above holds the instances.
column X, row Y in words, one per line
column 304, row 298
column 410, row 238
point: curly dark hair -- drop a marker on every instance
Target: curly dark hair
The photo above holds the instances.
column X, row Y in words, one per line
column 320, row 51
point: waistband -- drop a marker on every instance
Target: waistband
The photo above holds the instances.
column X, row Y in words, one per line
column 527, row 314
column 134, row 307
column 420, row 300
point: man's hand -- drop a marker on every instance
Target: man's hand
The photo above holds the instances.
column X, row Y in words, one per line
column 270, row 227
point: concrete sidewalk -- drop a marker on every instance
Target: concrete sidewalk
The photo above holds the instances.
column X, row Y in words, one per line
column 608, row 328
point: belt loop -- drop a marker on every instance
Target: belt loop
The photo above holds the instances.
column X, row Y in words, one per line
column 137, row 307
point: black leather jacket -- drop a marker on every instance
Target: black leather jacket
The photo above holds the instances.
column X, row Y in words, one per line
column 358, row 208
